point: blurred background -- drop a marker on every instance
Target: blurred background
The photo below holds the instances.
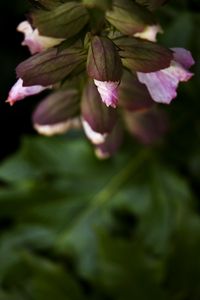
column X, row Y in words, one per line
column 72, row 227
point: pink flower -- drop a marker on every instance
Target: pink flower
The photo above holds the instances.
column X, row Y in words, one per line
column 150, row 33
column 162, row 85
column 108, row 91
column 36, row 42
column 19, row 92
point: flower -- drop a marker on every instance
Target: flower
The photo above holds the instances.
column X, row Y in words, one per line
column 19, row 92
column 149, row 33
column 108, row 91
column 162, row 85
column 104, row 66
column 34, row 41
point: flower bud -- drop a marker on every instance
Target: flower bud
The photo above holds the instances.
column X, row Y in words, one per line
column 129, row 17
column 162, row 85
column 102, row 4
column 111, row 144
column 64, row 21
column 143, row 56
column 147, row 126
column 50, row 66
column 34, row 41
column 98, row 121
column 149, row 33
column 105, row 67
column 151, row 4
column 132, row 94
column 19, row 91
column 57, row 113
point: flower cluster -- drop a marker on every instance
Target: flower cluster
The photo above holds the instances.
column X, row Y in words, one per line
column 104, row 68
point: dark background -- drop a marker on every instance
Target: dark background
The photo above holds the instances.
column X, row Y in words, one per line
column 14, row 121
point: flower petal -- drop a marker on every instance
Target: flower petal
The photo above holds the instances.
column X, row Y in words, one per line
column 95, row 137
column 108, row 91
column 162, row 85
column 19, row 92
column 183, row 57
column 36, row 42
column 149, row 33
column 58, row 128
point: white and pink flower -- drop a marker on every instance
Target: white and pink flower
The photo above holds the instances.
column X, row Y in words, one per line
column 108, row 91
column 19, row 92
column 149, row 33
column 162, row 85
column 34, row 41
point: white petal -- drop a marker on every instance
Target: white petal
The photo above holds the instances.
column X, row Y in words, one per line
column 150, row 33
column 36, row 42
column 58, row 128
column 95, row 137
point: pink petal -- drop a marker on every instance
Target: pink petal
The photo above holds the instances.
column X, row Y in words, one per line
column 183, row 57
column 162, row 85
column 108, row 91
column 19, row 92
column 36, row 42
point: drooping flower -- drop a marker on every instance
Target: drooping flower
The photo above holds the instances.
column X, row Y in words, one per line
column 162, row 85
column 97, row 120
column 19, row 92
column 108, row 91
column 34, row 41
column 105, row 68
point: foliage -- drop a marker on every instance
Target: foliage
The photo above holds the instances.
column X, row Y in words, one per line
column 77, row 228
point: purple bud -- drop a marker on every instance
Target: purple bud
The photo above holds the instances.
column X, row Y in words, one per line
column 147, row 126
column 57, row 113
column 105, row 67
column 132, row 94
column 111, row 144
column 97, row 120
